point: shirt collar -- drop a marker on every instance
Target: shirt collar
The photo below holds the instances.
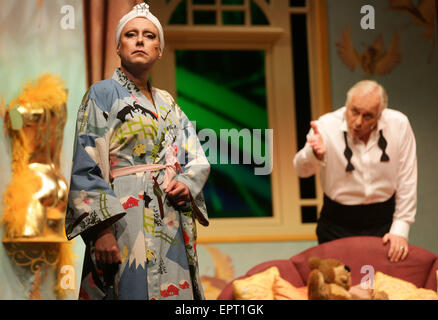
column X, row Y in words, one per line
column 343, row 126
column 381, row 123
column 125, row 82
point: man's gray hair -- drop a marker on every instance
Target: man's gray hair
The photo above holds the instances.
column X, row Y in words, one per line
column 365, row 87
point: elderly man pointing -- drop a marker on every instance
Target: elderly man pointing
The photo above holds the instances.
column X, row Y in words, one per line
column 366, row 154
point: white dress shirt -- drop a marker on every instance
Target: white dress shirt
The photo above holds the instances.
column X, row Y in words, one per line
column 372, row 181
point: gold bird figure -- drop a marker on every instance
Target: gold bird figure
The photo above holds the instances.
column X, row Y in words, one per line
column 423, row 14
column 375, row 60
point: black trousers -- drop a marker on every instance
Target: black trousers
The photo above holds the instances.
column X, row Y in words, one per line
column 340, row 221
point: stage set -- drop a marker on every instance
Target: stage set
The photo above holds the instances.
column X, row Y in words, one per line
column 243, row 80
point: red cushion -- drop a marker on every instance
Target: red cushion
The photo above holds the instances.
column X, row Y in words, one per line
column 357, row 252
column 431, row 282
column 419, row 267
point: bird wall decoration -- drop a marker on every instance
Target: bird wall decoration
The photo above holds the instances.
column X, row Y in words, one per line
column 424, row 14
column 374, row 60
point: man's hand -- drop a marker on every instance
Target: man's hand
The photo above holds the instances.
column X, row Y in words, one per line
column 106, row 248
column 178, row 193
column 398, row 249
column 316, row 142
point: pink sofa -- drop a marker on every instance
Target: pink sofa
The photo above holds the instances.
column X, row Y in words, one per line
column 419, row 267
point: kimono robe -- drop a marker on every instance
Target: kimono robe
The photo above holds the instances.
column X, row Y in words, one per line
column 118, row 127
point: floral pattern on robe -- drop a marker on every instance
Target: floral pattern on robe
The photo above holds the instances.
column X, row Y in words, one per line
column 118, row 127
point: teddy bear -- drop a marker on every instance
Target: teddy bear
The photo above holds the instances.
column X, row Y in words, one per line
column 330, row 279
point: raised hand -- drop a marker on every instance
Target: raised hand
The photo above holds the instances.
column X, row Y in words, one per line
column 316, row 142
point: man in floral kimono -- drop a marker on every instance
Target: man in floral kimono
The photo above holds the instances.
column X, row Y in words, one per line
column 137, row 178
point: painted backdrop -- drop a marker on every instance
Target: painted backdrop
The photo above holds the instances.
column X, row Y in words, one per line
column 32, row 41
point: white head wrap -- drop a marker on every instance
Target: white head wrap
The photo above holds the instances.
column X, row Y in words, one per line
column 140, row 10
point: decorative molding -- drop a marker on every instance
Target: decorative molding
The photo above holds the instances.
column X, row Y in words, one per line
column 205, row 36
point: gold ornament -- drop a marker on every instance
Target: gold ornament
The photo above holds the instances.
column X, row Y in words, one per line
column 36, row 197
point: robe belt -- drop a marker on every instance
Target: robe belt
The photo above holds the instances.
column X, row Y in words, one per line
column 169, row 173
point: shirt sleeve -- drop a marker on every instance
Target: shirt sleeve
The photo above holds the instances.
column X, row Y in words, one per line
column 406, row 193
column 305, row 161
column 92, row 204
column 194, row 163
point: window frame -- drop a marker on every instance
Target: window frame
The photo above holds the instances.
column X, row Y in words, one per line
column 275, row 39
